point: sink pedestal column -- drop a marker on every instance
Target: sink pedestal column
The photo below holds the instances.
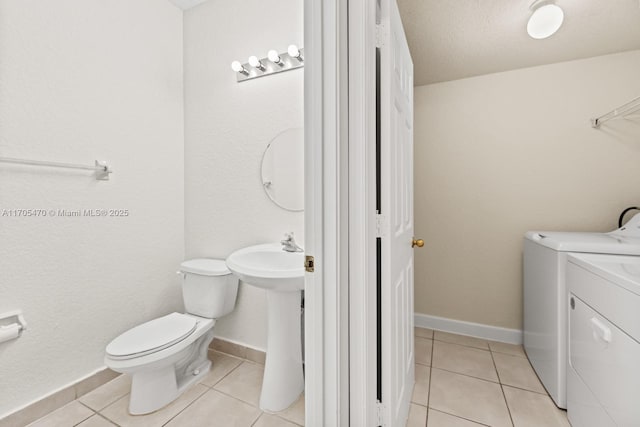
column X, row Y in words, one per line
column 283, row 380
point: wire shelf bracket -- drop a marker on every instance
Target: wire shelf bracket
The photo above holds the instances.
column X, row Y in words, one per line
column 624, row 110
column 101, row 168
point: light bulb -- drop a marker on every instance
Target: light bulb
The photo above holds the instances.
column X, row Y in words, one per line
column 237, row 67
column 255, row 62
column 274, row 57
column 545, row 21
column 293, row 51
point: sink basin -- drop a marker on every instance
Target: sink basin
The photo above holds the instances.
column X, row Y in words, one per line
column 281, row 273
column 269, row 267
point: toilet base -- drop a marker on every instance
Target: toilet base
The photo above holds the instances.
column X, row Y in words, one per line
column 152, row 389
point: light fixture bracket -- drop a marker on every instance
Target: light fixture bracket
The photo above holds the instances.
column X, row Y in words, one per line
column 287, row 63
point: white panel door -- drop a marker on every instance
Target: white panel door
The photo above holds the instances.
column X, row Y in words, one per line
column 396, row 209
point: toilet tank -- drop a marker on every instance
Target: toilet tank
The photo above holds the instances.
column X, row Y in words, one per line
column 209, row 289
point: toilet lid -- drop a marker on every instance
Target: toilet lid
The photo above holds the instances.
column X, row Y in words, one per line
column 152, row 336
column 205, row 267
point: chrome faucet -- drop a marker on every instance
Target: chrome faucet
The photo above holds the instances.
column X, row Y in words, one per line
column 289, row 243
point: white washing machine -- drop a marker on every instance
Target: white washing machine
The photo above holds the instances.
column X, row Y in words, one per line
column 545, row 295
column 603, row 375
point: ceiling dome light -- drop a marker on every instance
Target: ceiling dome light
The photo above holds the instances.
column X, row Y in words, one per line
column 545, row 21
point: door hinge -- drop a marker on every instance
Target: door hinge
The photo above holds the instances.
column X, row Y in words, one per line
column 309, row 264
column 380, row 413
column 380, row 35
column 381, row 225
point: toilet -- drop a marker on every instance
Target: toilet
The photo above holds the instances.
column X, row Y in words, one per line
column 166, row 355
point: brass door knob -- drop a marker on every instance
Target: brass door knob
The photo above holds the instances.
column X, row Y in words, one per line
column 417, row 242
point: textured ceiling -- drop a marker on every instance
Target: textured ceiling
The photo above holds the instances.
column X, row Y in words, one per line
column 453, row 39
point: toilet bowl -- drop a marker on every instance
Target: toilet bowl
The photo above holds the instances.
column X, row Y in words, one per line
column 166, row 355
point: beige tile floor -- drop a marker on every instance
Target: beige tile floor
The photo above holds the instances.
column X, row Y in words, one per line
column 460, row 382
column 466, row 382
column 227, row 396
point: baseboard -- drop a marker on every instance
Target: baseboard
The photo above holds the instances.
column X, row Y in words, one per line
column 460, row 327
column 237, row 349
column 57, row 399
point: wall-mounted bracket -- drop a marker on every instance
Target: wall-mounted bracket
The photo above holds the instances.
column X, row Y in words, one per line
column 12, row 324
column 103, row 170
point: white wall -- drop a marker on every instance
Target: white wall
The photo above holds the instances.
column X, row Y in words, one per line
column 227, row 127
column 80, row 80
column 501, row 154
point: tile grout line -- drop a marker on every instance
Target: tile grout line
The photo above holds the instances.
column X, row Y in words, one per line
column 188, row 405
column 462, row 418
column 504, row 396
column 545, row 393
column 94, row 413
column 257, row 418
column 212, row 388
column 276, row 414
column 464, row 336
column 86, row 406
column 236, row 398
column 524, row 389
column 478, row 348
column 490, row 381
column 467, row 375
column 233, row 397
column 105, row 416
column 225, row 375
column 68, row 403
column 464, row 345
column 107, row 419
column 508, row 354
column 110, row 402
column 429, row 394
column 433, row 335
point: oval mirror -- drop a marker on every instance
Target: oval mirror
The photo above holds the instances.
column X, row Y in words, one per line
column 283, row 170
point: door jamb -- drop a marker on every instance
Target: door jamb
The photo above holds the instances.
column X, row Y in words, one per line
column 362, row 213
column 326, row 213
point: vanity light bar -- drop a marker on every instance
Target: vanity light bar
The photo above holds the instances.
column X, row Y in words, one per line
column 274, row 63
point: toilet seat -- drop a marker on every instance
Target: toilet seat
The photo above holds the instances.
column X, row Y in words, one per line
column 152, row 336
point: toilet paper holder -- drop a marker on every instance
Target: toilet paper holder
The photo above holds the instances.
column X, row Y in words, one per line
column 14, row 329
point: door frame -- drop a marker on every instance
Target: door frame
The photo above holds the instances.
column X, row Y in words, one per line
column 362, row 214
column 326, row 213
column 340, row 216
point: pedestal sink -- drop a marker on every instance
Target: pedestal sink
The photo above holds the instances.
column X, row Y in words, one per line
column 281, row 273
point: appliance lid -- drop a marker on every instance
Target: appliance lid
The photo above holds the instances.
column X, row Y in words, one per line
column 621, row 270
column 152, row 336
column 205, row 267
column 598, row 243
column 630, row 229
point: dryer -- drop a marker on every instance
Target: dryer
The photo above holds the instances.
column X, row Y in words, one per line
column 603, row 374
column 545, row 295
